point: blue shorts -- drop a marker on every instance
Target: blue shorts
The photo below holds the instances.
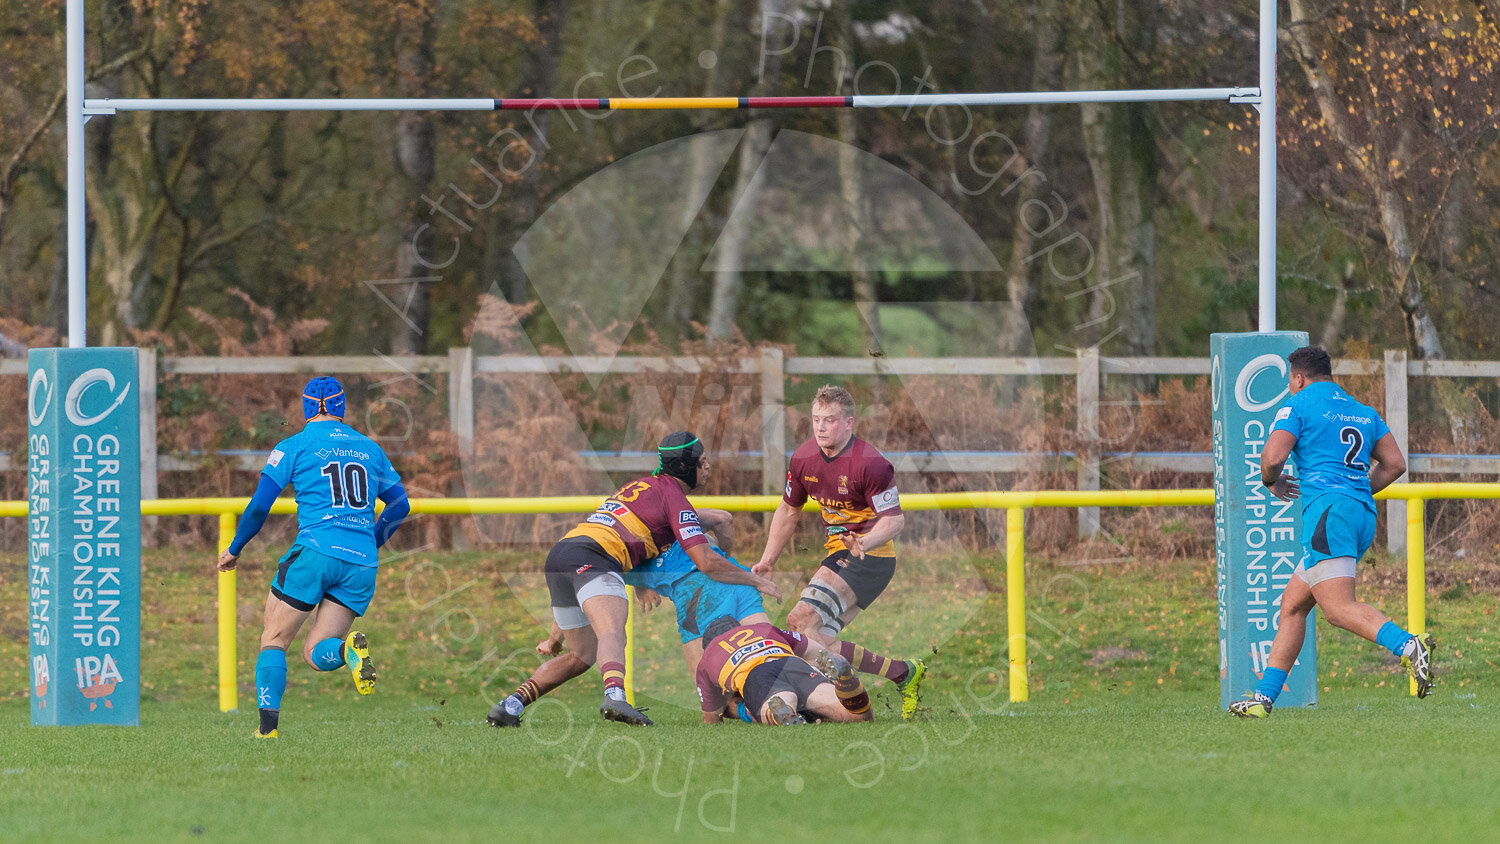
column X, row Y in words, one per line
column 305, row 577
column 1335, row 525
column 700, row 599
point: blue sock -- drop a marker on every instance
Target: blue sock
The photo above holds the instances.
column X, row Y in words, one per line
column 1271, row 683
column 270, row 678
column 328, row 655
column 1393, row 638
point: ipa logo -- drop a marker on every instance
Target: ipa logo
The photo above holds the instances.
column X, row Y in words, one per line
column 97, row 679
column 42, row 675
column 73, row 405
column 1247, row 378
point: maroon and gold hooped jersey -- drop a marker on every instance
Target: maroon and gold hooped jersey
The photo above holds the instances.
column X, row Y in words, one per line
column 729, row 658
column 641, row 520
column 853, row 489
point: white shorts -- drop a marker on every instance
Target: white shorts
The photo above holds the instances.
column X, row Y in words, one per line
column 1325, row 570
column 609, row 584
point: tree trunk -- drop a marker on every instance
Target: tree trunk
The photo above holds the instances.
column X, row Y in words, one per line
column 728, row 279
column 539, row 79
column 1122, row 158
column 416, row 159
column 1333, row 327
column 852, row 188
column 682, row 284
column 1036, row 139
column 1393, row 211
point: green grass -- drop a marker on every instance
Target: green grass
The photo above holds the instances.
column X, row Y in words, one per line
column 1121, row 740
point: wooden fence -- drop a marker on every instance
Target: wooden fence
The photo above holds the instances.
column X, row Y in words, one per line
column 1087, row 368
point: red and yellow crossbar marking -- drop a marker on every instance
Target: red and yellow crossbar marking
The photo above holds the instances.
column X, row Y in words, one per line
column 617, row 103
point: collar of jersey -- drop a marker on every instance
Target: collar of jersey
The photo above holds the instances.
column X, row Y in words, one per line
column 1331, row 385
column 826, row 459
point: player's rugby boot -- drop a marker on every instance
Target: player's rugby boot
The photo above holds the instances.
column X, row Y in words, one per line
column 258, row 734
column 834, row 667
column 619, row 710
column 911, row 688
column 500, row 717
column 781, row 713
column 1418, row 663
column 1256, row 706
column 357, row 655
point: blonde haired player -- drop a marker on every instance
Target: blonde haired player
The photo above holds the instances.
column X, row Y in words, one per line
column 855, row 486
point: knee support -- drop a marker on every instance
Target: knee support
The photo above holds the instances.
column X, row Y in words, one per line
column 828, row 605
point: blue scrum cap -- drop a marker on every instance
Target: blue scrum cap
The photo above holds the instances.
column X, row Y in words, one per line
column 323, row 394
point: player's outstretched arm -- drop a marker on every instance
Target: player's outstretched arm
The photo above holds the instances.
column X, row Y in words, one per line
column 649, row 599
column 553, row 644
column 1390, row 463
column 721, row 523
column 251, row 521
column 884, row 530
column 396, row 509
column 783, row 524
column 717, row 567
column 710, row 696
column 1273, row 459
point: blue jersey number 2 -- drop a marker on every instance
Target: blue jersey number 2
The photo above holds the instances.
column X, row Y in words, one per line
column 348, row 484
column 1356, row 442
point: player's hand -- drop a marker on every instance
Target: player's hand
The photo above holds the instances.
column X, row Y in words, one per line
column 549, row 647
column 763, row 568
column 769, row 588
column 650, row 599
column 1286, row 488
column 228, row 561
column 852, row 542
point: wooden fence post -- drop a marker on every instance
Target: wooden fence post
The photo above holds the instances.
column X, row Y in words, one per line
column 772, row 421
column 1088, row 436
column 146, row 374
column 461, row 423
column 1396, row 418
column 461, row 398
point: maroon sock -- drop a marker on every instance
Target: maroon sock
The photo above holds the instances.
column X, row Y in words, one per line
column 528, row 692
column 869, row 662
column 614, row 674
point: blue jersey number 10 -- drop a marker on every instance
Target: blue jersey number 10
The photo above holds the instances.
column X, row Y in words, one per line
column 348, row 484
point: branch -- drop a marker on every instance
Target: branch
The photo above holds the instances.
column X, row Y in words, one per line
column 13, row 163
column 1322, row 87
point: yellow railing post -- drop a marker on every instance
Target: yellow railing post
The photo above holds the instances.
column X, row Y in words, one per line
column 630, row 645
column 1416, row 573
column 229, row 692
column 1015, row 599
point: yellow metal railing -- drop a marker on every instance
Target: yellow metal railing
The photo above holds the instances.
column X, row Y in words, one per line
column 1014, row 503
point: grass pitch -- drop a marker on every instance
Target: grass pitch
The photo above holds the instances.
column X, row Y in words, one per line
column 1122, row 739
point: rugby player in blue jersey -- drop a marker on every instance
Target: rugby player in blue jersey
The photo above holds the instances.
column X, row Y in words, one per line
column 698, row 598
column 337, row 474
column 1334, row 440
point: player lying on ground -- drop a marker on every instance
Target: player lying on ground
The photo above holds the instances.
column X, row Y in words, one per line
column 585, row 577
column 765, row 667
column 855, row 486
column 1333, row 439
column 336, row 473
